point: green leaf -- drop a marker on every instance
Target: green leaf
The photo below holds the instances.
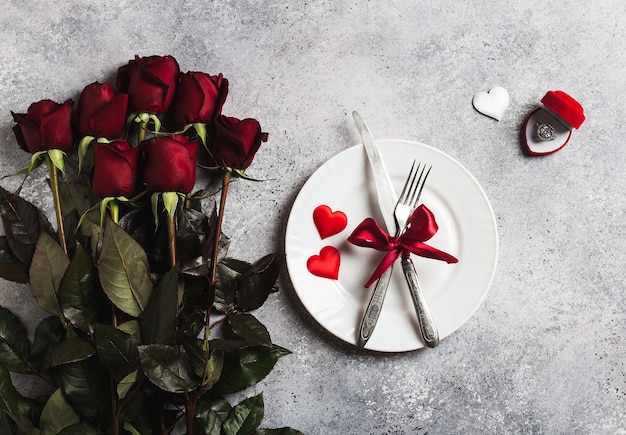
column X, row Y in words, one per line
column 131, row 328
column 192, row 233
column 22, row 224
column 78, row 196
column 250, row 329
column 245, row 417
column 255, row 285
column 14, row 343
column 117, row 350
column 78, row 296
column 210, row 414
column 25, row 425
column 167, row 368
column 226, row 279
column 245, row 367
column 11, row 268
column 86, row 388
column 10, row 400
column 130, row 428
column 159, row 318
column 213, row 370
column 73, row 349
column 48, row 334
column 57, row 414
column 124, row 271
column 46, row 272
column 209, row 369
column 124, row 386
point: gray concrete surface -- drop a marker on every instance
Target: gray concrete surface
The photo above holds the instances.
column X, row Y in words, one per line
column 546, row 352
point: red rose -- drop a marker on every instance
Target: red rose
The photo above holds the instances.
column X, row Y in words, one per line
column 115, row 169
column 170, row 163
column 150, row 82
column 101, row 113
column 46, row 126
column 199, row 98
column 236, row 142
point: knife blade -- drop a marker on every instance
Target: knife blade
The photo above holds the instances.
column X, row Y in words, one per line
column 385, row 192
column 387, row 198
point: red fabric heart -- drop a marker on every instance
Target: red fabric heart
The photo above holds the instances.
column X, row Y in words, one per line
column 325, row 265
column 327, row 222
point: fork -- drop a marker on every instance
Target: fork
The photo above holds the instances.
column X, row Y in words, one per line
column 405, row 207
column 407, row 202
column 403, row 211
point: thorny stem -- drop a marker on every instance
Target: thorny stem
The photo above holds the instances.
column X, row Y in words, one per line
column 54, row 184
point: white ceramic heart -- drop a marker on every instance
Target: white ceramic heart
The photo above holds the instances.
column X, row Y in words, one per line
column 493, row 103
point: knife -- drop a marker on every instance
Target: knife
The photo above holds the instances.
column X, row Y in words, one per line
column 387, row 198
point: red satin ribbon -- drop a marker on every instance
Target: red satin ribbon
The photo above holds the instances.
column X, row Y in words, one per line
column 421, row 227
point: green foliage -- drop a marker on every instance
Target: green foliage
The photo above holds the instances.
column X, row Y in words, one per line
column 46, row 272
column 124, row 271
column 131, row 340
column 14, row 344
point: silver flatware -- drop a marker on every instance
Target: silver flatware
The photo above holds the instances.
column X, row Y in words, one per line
column 427, row 326
column 396, row 214
column 386, row 197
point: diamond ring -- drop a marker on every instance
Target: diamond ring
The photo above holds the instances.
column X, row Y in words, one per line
column 545, row 132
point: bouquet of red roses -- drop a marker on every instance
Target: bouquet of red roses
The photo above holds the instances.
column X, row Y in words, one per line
column 150, row 321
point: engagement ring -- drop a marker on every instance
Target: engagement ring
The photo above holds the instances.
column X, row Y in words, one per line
column 545, row 132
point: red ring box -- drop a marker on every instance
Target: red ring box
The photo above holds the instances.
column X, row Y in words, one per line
column 559, row 110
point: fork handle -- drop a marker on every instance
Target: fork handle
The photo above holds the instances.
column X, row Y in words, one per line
column 428, row 329
column 375, row 305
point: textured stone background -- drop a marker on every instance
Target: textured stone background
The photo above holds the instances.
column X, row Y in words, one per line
column 546, row 352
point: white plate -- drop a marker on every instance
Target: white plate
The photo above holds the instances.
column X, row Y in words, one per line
column 467, row 230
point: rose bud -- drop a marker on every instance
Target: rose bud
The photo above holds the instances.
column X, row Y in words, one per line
column 46, row 126
column 150, row 82
column 199, row 98
column 170, row 163
column 236, row 141
column 101, row 113
column 115, row 169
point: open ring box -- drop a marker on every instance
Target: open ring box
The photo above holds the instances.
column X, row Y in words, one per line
column 558, row 110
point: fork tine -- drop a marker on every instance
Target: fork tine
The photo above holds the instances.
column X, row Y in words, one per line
column 420, row 186
column 407, row 183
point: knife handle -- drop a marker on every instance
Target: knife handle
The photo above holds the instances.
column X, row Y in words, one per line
column 375, row 305
column 427, row 327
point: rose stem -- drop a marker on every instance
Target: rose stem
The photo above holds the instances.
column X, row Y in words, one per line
column 191, row 401
column 171, row 230
column 114, row 211
column 54, row 184
column 218, row 230
column 141, row 133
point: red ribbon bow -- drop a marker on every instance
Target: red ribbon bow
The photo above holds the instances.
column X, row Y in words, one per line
column 420, row 228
